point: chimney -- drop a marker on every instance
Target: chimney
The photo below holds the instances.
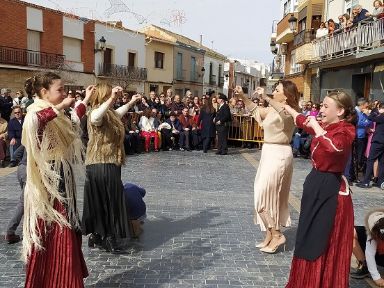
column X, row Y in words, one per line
column 201, row 40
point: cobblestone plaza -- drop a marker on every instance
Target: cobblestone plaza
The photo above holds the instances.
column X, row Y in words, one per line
column 199, row 231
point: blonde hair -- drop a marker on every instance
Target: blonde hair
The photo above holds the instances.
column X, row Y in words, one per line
column 102, row 93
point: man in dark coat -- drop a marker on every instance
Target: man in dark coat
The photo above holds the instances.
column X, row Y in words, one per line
column 15, row 128
column 222, row 120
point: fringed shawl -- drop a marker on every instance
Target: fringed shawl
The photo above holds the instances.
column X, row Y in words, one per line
column 54, row 154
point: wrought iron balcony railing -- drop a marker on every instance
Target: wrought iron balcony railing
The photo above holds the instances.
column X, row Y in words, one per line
column 367, row 35
column 122, row 72
column 24, row 57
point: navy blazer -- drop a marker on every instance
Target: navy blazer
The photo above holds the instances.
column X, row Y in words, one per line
column 15, row 128
column 378, row 135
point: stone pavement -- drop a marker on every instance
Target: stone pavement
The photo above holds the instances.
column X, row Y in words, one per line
column 199, row 231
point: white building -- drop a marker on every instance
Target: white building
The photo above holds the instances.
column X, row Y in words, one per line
column 122, row 62
column 214, row 71
column 248, row 74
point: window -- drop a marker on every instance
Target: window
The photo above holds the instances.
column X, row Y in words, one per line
column 179, row 66
column 302, row 24
column 131, row 59
column 33, row 44
column 193, row 69
column 159, row 60
column 72, row 49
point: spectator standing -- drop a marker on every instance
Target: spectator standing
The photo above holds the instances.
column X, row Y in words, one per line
column 359, row 14
column 377, row 11
column 222, row 120
column 6, row 103
column 208, row 131
column 322, row 31
column 377, row 149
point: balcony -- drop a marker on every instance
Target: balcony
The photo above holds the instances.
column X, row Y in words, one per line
column 303, row 44
column 212, row 80
column 284, row 34
column 357, row 42
column 122, row 72
column 303, row 37
column 30, row 58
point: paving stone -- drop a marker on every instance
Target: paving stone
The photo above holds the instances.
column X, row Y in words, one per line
column 199, row 231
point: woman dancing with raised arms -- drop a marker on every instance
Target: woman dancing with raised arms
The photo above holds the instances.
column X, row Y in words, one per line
column 51, row 233
column 324, row 239
column 274, row 174
column 104, row 213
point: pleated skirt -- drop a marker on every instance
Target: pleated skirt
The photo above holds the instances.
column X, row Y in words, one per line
column 272, row 185
column 332, row 268
column 104, row 210
column 61, row 262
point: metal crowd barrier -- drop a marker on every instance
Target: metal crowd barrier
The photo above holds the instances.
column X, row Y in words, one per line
column 245, row 129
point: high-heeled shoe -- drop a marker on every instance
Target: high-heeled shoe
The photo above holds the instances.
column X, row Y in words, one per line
column 268, row 238
column 276, row 242
column 94, row 240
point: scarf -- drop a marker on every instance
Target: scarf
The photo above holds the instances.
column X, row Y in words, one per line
column 54, row 154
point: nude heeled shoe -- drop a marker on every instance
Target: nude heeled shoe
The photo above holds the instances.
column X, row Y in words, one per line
column 276, row 242
column 268, row 238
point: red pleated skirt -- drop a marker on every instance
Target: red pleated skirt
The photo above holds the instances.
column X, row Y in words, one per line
column 61, row 263
column 331, row 269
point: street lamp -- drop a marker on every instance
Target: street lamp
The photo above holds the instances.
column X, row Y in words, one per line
column 100, row 45
column 292, row 21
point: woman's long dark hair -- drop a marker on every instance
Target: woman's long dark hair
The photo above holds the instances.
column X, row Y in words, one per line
column 291, row 92
column 208, row 107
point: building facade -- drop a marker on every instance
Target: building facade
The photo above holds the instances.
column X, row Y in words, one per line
column 123, row 60
column 44, row 39
column 351, row 59
column 159, row 63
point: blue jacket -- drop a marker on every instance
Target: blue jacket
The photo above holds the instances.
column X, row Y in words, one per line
column 362, row 124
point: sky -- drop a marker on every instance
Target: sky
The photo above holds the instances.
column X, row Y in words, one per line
column 238, row 29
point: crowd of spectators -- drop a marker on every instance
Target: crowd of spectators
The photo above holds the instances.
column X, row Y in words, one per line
column 348, row 21
column 158, row 122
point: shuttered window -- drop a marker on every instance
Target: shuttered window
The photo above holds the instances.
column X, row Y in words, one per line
column 72, row 49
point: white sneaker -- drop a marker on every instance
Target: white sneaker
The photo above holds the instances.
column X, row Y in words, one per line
column 170, row 149
column 181, row 149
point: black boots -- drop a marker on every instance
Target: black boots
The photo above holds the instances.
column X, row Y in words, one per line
column 94, row 241
column 110, row 245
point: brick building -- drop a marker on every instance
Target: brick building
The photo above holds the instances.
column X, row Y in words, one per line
column 34, row 38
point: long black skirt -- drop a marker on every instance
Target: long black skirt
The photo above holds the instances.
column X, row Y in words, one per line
column 104, row 209
column 317, row 213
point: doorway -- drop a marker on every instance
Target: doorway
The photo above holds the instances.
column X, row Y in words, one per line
column 361, row 86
